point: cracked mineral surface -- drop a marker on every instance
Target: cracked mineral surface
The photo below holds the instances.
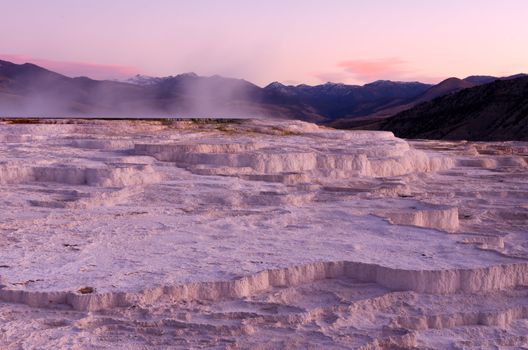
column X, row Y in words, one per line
column 134, row 234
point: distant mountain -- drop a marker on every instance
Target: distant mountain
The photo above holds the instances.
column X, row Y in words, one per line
column 324, row 102
column 491, row 112
column 27, row 89
column 485, row 79
column 334, row 101
column 445, row 87
column 143, row 80
column 30, row 90
column 480, row 79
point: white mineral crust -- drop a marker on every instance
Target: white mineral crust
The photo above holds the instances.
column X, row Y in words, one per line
column 258, row 234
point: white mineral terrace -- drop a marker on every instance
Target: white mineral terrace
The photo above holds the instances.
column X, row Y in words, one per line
column 258, row 234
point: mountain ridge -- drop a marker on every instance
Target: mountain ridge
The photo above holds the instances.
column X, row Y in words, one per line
column 29, row 90
column 497, row 111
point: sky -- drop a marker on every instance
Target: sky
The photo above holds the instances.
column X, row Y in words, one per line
column 291, row 41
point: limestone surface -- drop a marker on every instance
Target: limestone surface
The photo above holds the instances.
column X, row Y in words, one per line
column 261, row 234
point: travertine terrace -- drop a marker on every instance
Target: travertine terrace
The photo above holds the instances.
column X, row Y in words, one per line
column 258, row 234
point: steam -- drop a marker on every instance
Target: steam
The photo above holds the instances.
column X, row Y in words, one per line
column 29, row 90
column 217, row 97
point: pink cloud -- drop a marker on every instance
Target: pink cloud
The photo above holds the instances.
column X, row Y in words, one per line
column 365, row 71
column 369, row 70
column 74, row 69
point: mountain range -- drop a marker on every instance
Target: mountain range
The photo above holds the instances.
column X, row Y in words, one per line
column 30, row 90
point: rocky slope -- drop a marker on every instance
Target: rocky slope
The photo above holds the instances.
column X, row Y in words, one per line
column 495, row 111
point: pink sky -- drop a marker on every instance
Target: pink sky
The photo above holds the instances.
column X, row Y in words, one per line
column 292, row 41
